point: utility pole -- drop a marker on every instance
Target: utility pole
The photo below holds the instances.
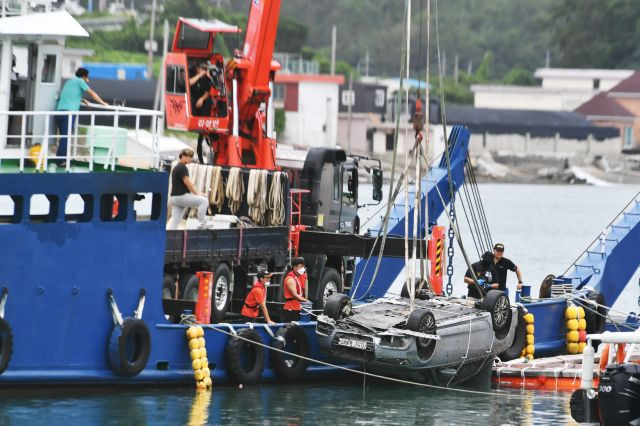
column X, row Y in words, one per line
column 334, row 37
column 444, row 63
column 547, row 59
column 455, row 68
column 151, row 32
column 366, row 63
column 470, row 68
column 352, row 98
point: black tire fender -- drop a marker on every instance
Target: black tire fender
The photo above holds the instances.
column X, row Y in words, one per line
column 6, row 344
column 519, row 339
column 497, row 303
column 236, row 348
column 291, row 338
column 423, row 321
column 129, row 347
column 337, row 306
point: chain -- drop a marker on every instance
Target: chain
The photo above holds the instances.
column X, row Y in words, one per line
column 452, row 214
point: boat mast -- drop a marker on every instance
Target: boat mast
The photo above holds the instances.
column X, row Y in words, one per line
column 409, row 269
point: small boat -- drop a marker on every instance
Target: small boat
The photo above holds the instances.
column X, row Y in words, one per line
column 439, row 340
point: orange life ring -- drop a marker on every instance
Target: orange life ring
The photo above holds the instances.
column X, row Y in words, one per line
column 604, row 358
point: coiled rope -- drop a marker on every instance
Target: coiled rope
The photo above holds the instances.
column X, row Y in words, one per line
column 275, row 200
column 216, row 196
column 257, row 195
column 235, row 189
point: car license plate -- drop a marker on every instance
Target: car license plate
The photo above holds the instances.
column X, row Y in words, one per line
column 352, row 343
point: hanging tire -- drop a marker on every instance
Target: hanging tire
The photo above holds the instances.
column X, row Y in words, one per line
column 191, row 288
column 497, row 303
column 244, row 360
column 168, row 286
column 6, row 344
column 220, row 293
column 423, row 321
column 595, row 316
column 337, row 306
column 519, row 339
column 330, row 283
column 287, row 367
column 129, row 347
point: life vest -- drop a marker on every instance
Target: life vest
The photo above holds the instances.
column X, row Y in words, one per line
column 291, row 303
column 254, row 298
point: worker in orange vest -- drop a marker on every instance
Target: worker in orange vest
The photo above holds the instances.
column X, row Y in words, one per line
column 257, row 298
column 295, row 283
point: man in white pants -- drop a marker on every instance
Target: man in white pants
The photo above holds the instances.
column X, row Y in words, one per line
column 183, row 194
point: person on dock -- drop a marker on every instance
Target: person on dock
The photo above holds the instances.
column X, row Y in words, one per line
column 501, row 265
column 484, row 275
column 183, row 194
column 70, row 100
column 200, row 85
column 256, row 300
column 295, row 283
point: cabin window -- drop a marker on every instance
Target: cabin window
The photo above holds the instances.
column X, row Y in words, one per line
column 49, row 69
column 147, row 206
column 176, row 79
column 43, row 208
column 113, row 207
column 11, row 208
column 192, row 38
column 78, row 208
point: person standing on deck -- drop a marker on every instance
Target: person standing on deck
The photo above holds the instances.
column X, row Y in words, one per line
column 256, row 300
column 483, row 273
column 70, row 100
column 294, row 290
column 501, row 265
column 183, row 194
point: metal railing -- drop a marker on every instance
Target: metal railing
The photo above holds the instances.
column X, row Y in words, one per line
column 88, row 138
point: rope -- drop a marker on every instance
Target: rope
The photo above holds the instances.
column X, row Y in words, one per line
column 275, row 200
column 190, row 319
column 257, row 195
column 235, row 189
column 216, row 196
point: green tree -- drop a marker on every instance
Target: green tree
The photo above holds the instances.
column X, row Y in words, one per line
column 484, row 70
column 520, row 77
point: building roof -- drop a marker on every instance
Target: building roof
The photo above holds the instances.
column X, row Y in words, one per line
column 628, row 85
column 569, row 125
column 602, row 105
column 571, row 73
column 311, row 78
column 52, row 24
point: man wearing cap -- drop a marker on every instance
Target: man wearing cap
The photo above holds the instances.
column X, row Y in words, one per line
column 501, row 265
column 257, row 298
column 294, row 290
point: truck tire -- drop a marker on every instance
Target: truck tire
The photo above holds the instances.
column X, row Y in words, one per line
column 497, row 303
column 129, row 347
column 289, row 367
column 191, row 286
column 169, row 286
column 330, row 283
column 519, row 339
column 244, row 360
column 220, row 293
column 423, row 321
column 6, row 344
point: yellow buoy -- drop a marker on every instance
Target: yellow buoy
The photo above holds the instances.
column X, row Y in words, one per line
column 530, row 356
column 530, row 329
column 572, row 324
column 200, row 331
column 528, row 318
column 196, row 364
column 572, row 348
column 571, row 313
column 582, row 324
column 581, row 314
column 204, row 362
column 192, row 332
column 581, row 346
column 201, row 342
column 194, row 353
column 203, row 352
column 198, row 374
column 530, row 339
column 207, row 382
column 573, row 337
column 206, row 372
column 530, row 349
column 194, row 344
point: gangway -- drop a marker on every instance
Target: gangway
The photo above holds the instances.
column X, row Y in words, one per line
column 437, row 185
column 610, row 261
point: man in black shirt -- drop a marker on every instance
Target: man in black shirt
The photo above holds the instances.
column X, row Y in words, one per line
column 501, row 265
column 200, row 85
column 484, row 274
column 183, row 194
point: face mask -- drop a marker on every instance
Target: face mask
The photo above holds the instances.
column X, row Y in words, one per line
column 266, row 283
column 301, row 271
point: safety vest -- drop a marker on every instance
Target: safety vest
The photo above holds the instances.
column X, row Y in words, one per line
column 291, row 303
column 256, row 295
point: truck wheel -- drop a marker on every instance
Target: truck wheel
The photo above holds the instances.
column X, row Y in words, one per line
column 423, row 321
column 337, row 306
column 497, row 303
column 220, row 294
column 169, row 286
column 330, row 283
column 192, row 283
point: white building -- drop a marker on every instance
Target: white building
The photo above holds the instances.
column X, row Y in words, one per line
column 562, row 89
column 311, row 108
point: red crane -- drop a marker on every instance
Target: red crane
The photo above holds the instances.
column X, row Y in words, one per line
column 238, row 118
